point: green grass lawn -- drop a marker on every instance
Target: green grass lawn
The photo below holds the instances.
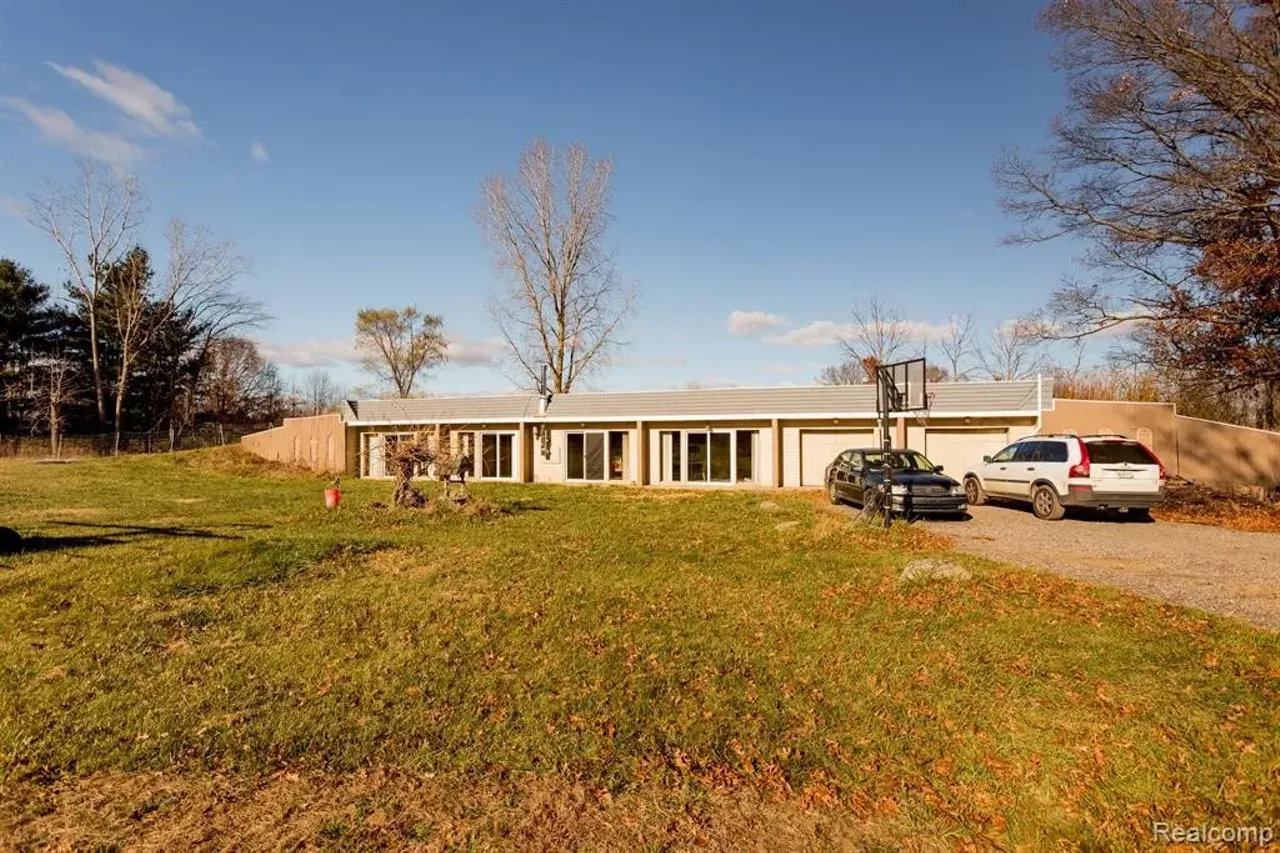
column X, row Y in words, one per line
column 193, row 650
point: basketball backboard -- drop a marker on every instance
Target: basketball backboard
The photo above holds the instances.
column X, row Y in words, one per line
column 904, row 385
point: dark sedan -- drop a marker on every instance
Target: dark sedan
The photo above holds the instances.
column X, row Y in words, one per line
column 918, row 487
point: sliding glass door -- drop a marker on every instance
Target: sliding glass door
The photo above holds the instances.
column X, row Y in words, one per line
column 708, row 456
column 596, row 456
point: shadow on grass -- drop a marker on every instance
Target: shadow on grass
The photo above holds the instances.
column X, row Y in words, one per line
column 116, row 534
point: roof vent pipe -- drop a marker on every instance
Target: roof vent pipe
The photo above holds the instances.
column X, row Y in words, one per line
column 544, row 393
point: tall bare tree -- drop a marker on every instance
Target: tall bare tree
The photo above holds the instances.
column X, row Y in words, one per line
column 562, row 305
column 197, row 287
column 1167, row 161
column 880, row 333
column 957, row 346
column 1015, row 351
column 91, row 222
column 131, row 314
column 398, row 345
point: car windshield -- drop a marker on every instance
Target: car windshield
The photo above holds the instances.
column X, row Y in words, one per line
column 900, row 461
column 1119, row 452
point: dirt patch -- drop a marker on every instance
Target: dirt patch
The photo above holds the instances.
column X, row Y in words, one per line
column 390, row 809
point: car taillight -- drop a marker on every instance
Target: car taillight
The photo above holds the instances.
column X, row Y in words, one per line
column 1081, row 468
column 1164, row 475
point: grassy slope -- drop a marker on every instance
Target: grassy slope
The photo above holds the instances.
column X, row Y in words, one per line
column 599, row 639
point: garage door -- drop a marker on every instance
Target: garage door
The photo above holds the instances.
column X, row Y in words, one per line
column 961, row 450
column 819, row 447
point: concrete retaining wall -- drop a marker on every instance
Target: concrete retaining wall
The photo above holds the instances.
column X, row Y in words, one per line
column 317, row 442
column 1202, row 451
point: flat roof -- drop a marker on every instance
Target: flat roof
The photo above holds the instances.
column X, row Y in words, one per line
column 792, row 401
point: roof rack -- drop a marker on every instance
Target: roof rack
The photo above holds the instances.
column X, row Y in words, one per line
column 1076, row 435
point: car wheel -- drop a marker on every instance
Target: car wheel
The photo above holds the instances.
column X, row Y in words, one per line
column 1045, row 504
column 973, row 492
column 832, row 494
column 1140, row 513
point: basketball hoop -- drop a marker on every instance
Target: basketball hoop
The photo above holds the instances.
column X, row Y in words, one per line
column 901, row 387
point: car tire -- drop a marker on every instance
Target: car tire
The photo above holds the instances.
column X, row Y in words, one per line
column 973, row 492
column 1139, row 513
column 1046, row 505
column 832, row 494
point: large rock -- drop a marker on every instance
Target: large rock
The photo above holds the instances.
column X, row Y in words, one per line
column 769, row 506
column 786, row 525
column 933, row 569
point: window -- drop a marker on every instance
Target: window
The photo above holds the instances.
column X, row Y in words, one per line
column 596, row 455
column 1006, row 455
column 495, row 455
column 617, row 455
column 1027, row 451
column 697, row 445
column 907, row 460
column 671, row 452
column 1119, row 453
column 1052, row 451
column 745, row 455
column 709, row 456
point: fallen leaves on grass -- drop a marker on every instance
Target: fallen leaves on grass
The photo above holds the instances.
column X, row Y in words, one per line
column 1193, row 504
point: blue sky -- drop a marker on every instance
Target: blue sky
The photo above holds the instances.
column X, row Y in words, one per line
column 785, row 158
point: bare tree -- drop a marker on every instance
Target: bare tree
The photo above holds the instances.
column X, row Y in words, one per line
column 237, row 382
column 398, row 345
column 320, row 392
column 1167, row 161
column 197, row 288
column 956, row 346
column 563, row 305
column 848, row 372
column 202, row 274
column 1015, row 351
column 879, row 333
column 91, row 222
column 55, row 384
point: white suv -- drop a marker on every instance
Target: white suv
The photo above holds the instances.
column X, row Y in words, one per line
column 1053, row 472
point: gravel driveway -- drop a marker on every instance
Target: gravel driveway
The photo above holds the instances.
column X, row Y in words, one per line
column 1223, row 571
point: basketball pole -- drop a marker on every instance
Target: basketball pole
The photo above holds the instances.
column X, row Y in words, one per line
column 886, row 445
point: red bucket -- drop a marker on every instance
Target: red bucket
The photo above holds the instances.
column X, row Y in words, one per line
column 332, row 497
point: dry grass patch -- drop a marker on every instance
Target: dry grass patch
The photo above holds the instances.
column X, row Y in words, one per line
column 384, row 808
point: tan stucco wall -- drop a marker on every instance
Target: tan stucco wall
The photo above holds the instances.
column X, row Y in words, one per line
column 1212, row 452
column 1203, row 451
column 317, row 442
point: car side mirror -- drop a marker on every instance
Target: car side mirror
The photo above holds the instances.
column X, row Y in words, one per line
column 986, row 459
column 937, row 467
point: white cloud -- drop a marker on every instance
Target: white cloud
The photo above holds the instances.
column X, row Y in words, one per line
column 58, row 128
column 820, row 333
column 315, row 353
column 826, row 333
column 258, row 153
column 469, row 352
column 157, row 111
column 463, row 352
column 13, row 207
column 752, row 323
